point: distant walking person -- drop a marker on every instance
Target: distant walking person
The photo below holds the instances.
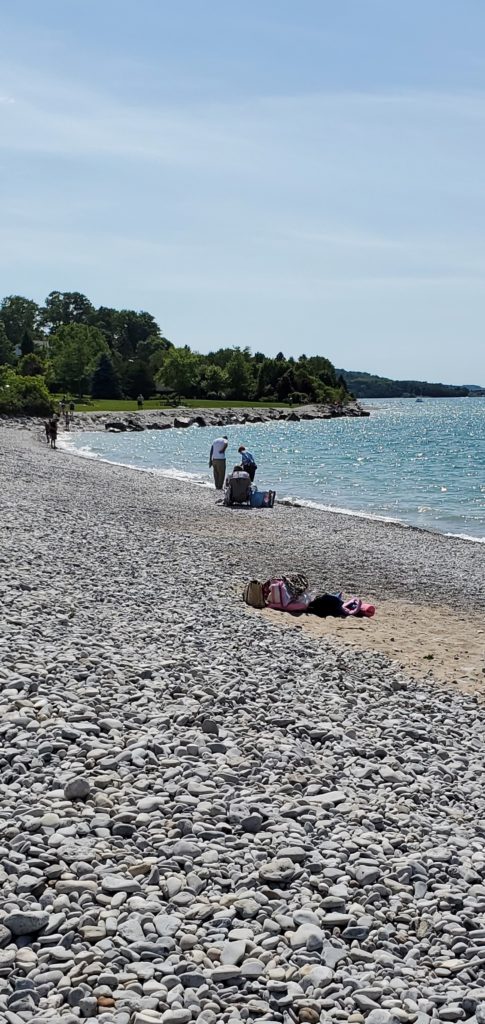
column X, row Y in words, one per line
column 53, row 430
column 247, row 461
column 140, row 401
column 71, row 411
column 217, row 461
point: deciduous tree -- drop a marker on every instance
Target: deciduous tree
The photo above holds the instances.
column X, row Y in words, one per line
column 19, row 315
column 75, row 350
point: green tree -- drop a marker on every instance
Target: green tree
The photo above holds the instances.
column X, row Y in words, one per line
column 269, row 373
column 180, row 372
column 239, row 376
column 286, row 386
column 19, row 315
column 27, row 396
column 107, row 320
column 306, row 384
column 75, row 350
column 323, row 369
column 7, row 351
column 31, row 365
column 62, row 308
column 153, row 351
column 105, row 382
column 213, row 381
column 133, row 328
column 27, row 344
column 138, row 379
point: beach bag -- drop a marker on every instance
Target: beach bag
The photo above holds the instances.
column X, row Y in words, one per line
column 296, row 583
column 262, row 499
column 253, row 594
column 279, row 598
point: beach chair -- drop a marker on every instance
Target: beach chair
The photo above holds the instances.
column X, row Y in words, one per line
column 238, row 490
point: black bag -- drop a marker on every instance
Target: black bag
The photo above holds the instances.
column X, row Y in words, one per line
column 326, row 604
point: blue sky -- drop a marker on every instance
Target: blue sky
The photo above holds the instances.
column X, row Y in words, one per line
column 305, row 177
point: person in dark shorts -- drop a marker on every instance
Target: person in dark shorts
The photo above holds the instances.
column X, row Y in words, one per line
column 53, row 430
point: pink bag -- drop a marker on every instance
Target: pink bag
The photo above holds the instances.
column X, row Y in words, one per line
column 279, row 598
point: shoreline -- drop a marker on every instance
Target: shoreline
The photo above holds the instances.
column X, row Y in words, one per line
column 303, row 503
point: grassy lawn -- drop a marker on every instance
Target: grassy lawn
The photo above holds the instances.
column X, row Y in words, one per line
column 129, row 405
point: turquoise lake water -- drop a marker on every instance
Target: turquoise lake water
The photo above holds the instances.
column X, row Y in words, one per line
column 420, row 463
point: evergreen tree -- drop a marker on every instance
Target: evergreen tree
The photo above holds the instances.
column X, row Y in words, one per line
column 31, row 365
column 138, row 379
column 27, row 344
column 105, row 381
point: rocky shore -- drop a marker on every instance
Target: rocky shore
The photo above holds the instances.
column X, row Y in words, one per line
column 188, row 417
column 204, row 816
column 164, row 418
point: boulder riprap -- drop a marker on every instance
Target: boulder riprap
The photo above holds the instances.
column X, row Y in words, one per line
column 206, row 817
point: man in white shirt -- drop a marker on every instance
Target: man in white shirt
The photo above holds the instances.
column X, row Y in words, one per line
column 217, row 461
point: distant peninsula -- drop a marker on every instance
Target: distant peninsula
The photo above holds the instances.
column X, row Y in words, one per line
column 369, row 385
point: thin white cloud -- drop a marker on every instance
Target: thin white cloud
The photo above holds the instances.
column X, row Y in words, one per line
column 58, row 117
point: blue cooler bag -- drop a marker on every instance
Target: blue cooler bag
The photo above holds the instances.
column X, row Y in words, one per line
column 262, row 499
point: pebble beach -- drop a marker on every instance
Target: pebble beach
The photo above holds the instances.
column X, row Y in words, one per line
column 209, row 813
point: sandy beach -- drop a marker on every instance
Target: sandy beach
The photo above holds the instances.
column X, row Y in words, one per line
column 209, row 777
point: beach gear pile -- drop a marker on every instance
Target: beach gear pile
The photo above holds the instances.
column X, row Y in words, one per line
column 239, row 491
column 291, row 594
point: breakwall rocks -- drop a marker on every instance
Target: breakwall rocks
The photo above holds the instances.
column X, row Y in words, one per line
column 182, row 418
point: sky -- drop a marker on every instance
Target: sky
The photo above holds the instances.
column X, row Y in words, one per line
column 299, row 177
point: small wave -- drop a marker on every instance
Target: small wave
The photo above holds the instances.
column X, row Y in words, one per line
column 466, row 536
column 85, row 452
column 355, row 513
column 374, row 517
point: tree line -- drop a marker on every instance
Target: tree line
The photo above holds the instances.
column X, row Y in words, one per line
column 368, row 385
column 68, row 345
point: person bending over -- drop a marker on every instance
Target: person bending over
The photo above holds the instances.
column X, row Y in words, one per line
column 248, row 462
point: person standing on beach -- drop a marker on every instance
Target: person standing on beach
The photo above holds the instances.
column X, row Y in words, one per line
column 217, row 461
column 247, row 461
column 53, row 430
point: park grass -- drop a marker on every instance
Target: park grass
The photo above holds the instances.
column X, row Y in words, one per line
column 130, row 405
